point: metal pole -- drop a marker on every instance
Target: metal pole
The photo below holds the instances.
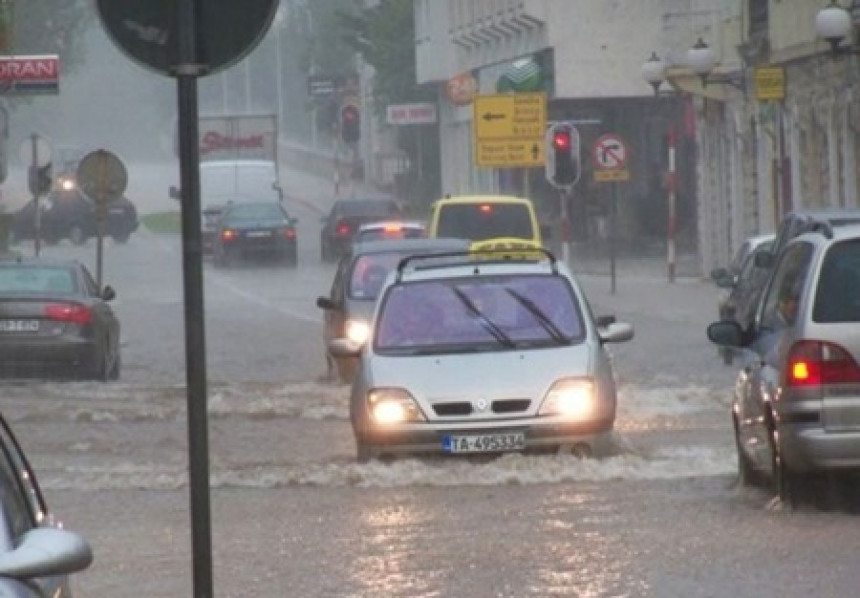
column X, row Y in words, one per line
column 37, row 215
column 565, row 226
column 670, row 225
column 613, row 210
column 192, row 267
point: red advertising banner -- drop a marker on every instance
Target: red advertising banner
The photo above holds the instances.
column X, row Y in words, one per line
column 30, row 74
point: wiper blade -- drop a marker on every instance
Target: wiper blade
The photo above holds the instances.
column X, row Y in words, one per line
column 486, row 322
column 544, row 320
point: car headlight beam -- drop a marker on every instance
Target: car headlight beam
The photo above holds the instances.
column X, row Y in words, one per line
column 357, row 331
column 574, row 398
column 393, row 406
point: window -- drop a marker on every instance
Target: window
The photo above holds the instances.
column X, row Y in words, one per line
column 837, row 298
column 784, row 292
column 487, row 313
column 478, row 221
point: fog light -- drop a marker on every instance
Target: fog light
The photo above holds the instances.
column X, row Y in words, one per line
column 574, row 398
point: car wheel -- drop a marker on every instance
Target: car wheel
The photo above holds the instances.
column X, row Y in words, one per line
column 365, row 452
column 747, row 475
column 113, row 374
column 786, row 482
column 77, row 235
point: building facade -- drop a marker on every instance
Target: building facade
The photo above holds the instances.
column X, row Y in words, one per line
column 773, row 126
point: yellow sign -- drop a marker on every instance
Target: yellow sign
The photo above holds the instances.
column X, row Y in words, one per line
column 611, row 176
column 509, row 130
column 769, row 83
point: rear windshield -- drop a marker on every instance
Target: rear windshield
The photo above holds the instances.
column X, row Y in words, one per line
column 367, row 208
column 837, row 298
column 239, row 212
column 22, row 279
column 480, row 221
column 485, row 313
column 369, row 273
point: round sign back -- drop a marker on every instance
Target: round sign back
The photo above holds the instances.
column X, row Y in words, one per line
column 148, row 30
column 102, row 176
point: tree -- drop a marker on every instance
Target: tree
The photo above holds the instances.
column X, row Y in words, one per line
column 384, row 36
column 46, row 27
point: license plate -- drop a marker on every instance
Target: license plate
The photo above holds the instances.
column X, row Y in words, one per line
column 19, row 325
column 484, row 443
column 260, row 233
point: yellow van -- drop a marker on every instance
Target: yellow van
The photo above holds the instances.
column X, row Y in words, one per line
column 488, row 221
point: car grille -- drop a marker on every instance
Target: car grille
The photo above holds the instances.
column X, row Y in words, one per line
column 461, row 408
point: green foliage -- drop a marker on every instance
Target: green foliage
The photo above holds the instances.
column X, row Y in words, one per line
column 47, row 27
column 384, row 37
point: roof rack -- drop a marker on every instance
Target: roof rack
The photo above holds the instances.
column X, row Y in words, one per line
column 475, row 256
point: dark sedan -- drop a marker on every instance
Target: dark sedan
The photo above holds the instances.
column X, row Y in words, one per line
column 68, row 214
column 55, row 321
column 254, row 232
column 344, row 219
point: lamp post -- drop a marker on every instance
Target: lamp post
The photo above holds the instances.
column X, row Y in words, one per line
column 702, row 60
column 654, row 72
column 833, row 24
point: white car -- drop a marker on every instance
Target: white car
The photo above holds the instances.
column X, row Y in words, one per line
column 483, row 355
column 37, row 556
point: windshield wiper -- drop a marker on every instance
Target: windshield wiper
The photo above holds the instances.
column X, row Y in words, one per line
column 486, row 322
column 544, row 320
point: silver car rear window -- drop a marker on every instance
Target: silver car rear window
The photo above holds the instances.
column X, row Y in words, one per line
column 837, row 298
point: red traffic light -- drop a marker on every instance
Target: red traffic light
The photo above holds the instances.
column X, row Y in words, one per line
column 561, row 141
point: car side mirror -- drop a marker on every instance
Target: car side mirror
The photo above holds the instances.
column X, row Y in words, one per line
column 280, row 191
column 326, row 303
column 108, row 293
column 173, row 192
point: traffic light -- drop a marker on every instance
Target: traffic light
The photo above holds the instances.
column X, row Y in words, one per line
column 562, row 153
column 40, row 179
column 350, row 123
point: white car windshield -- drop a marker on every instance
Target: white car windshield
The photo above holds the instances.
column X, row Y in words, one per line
column 480, row 313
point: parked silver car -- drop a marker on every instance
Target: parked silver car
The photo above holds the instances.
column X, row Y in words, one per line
column 37, row 556
column 796, row 403
column 483, row 356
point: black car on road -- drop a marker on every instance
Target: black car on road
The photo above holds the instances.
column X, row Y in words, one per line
column 55, row 321
column 255, row 232
column 345, row 217
column 69, row 214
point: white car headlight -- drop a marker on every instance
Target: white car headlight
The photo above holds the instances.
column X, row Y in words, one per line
column 393, row 406
column 357, row 331
column 575, row 398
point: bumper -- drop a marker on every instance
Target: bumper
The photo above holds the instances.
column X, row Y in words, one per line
column 539, row 436
column 811, row 448
column 46, row 357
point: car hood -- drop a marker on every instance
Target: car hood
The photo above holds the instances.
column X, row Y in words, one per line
column 526, row 373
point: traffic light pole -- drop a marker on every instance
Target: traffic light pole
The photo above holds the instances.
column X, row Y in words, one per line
column 565, row 225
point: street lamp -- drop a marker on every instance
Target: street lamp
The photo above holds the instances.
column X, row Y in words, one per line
column 833, row 23
column 654, row 72
column 702, row 59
